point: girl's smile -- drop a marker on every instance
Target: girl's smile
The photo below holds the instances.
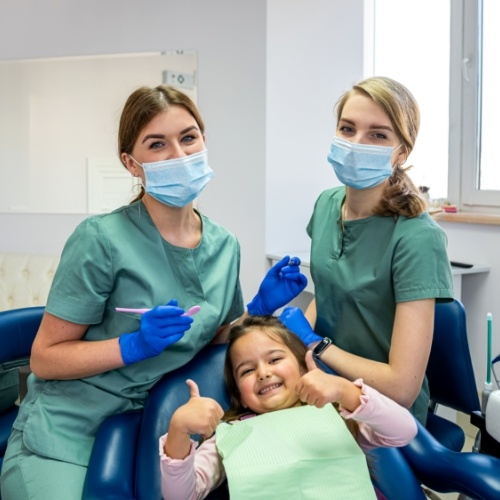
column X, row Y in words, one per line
column 269, row 388
column 266, row 372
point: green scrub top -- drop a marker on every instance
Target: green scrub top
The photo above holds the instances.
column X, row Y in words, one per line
column 362, row 269
column 121, row 260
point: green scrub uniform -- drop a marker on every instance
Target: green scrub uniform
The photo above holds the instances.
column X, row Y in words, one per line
column 121, row 260
column 362, row 268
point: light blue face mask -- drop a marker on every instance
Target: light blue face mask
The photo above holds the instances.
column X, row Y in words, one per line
column 179, row 181
column 360, row 166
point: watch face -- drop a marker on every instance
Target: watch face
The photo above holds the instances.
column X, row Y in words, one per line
column 321, row 346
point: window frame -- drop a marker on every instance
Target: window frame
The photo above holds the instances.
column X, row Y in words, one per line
column 465, row 119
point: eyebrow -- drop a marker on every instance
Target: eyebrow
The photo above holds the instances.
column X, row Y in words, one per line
column 247, row 361
column 381, row 127
column 162, row 136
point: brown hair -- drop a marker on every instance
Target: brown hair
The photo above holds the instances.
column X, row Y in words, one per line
column 142, row 106
column 275, row 329
column 401, row 196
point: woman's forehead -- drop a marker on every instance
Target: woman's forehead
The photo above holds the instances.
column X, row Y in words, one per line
column 361, row 108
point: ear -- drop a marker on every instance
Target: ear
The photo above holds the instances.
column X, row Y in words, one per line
column 402, row 156
column 129, row 164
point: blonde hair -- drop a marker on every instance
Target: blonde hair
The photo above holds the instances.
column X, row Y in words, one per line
column 401, row 196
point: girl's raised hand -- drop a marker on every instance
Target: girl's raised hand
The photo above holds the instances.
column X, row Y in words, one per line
column 199, row 415
column 317, row 387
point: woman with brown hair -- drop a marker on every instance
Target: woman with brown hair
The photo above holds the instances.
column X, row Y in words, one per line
column 157, row 257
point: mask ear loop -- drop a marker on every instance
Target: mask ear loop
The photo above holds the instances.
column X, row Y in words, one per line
column 140, row 164
column 401, row 152
column 137, row 176
column 139, row 184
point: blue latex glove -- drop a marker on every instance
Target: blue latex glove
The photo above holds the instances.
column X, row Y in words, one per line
column 293, row 318
column 282, row 283
column 160, row 328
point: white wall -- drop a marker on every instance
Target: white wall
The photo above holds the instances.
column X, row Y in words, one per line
column 230, row 37
column 314, row 53
column 288, row 55
column 478, row 244
column 269, row 75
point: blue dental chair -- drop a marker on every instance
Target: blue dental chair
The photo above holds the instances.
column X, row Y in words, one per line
column 450, row 374
column 125, row 463
column 18, row 328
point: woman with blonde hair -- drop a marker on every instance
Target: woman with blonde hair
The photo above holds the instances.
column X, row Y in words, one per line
column 378, row 259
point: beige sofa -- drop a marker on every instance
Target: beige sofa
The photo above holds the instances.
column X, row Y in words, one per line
column 25, row 279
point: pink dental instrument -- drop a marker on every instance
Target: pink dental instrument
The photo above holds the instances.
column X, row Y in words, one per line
column 189, row 312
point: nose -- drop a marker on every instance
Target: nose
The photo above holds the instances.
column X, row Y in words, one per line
column 263, row 371
column 356, row 139
column 177, row 151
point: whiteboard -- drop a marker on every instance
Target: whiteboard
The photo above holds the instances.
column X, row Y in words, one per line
column 58, row 114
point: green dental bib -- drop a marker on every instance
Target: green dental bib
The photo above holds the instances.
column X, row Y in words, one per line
column 302, row 453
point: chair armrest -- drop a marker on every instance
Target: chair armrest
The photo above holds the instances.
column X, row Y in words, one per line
column 207, row 370
column 473, row 474
column 111, row 469
column 386, row 464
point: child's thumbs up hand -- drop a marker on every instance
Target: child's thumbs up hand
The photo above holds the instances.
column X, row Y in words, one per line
column 317, row 387
column 199, row 415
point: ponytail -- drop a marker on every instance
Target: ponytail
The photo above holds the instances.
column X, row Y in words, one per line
column 401, row 196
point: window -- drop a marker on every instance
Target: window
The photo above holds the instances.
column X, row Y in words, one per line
column 443, row 52
column 480, row 188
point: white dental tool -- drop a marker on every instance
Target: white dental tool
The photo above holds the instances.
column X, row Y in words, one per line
column 189, row 312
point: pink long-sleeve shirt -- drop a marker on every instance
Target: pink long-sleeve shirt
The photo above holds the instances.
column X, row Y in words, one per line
column 382, row 423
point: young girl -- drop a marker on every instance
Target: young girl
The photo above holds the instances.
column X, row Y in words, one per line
column 298, row 441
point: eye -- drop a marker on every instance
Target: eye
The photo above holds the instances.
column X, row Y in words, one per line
column 275, row 360
column 156, row 145
column 380, row 136
column 345, row 129
column 189, row 138
column 246, row 372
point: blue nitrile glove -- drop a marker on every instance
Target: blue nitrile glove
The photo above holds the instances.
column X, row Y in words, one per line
column 293, row 318
column 160, row 328
column 282, row 283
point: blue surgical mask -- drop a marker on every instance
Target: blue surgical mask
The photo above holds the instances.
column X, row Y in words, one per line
column 179, row 181
column 360, row 166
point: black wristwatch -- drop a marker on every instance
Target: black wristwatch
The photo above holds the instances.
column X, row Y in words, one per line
column 319, row 349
